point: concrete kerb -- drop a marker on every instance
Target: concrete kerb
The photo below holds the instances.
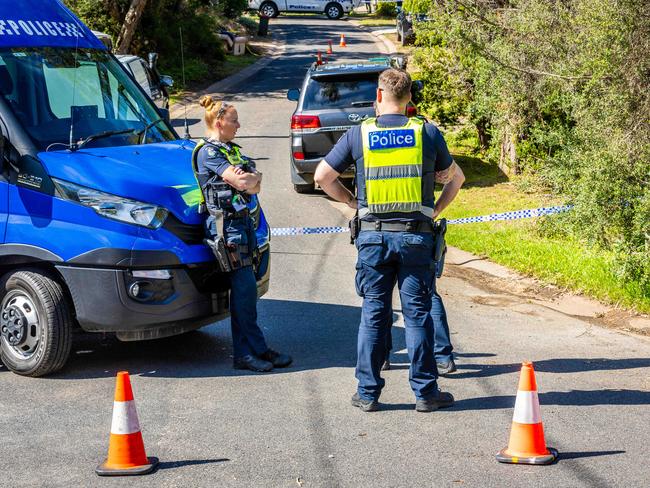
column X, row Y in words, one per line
column 279, row 47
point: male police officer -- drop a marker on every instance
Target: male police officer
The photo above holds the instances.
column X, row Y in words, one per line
column 397, row 160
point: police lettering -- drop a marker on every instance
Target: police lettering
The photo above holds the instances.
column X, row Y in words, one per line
column 387, row 139
column 38, row 28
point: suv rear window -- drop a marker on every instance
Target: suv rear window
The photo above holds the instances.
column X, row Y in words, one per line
column 340, row 91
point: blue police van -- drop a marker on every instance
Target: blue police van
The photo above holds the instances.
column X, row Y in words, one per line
column 99, row 223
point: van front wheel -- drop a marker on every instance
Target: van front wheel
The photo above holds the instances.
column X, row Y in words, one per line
column 35, row 323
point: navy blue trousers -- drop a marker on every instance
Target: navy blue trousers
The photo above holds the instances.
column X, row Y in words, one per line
column 442, row 347
column 386, row 258
column 247, row 337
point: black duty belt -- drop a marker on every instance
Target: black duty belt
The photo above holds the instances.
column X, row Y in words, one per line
column 411, row 226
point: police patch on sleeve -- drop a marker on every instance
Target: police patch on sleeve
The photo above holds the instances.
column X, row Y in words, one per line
column 212, row 152
column 388, row 139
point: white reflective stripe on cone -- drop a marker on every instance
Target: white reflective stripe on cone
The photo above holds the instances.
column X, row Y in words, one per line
column 125, row 418
column 527, row 408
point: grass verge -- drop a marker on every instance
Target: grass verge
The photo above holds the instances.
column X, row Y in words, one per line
column 518, row 245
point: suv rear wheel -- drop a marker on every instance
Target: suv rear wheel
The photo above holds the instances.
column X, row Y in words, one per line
column 35, row 323
column 269, row 9
column 333, row 11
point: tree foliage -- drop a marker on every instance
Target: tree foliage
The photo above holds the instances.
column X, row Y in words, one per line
column 557, row 89
column 159, row 31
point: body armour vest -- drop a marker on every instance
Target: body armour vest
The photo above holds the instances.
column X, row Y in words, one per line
column 392, row 159
column 232, row 155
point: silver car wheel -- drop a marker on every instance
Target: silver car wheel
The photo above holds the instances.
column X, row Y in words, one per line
column 267, row 10
column 333, row 12
column 20, row 330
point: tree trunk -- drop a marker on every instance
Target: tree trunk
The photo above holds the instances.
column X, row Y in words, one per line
column 131, row 22
column 483, row 135
column 508, row 158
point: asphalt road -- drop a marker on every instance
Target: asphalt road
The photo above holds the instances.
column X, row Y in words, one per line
column 213, row 426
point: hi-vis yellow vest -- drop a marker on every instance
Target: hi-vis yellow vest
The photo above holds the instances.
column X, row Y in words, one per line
column 233, row 158
column 392, row 159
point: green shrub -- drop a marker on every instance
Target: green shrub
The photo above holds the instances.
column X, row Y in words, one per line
column 386, row 9
column 159, row 31
column 559, row 93
column 231, row 9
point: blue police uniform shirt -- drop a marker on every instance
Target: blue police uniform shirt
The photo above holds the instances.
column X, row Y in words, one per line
column 435, row 157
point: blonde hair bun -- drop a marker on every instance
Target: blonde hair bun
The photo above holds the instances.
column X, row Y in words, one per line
column 206, row 101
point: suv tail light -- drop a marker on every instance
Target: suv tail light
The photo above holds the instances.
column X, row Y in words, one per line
column 298, row 155
column 411, row 110
column 305, row 122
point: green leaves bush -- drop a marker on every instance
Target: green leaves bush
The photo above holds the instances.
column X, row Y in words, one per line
column 159, row 31
column 386, row 9
column 557, row 91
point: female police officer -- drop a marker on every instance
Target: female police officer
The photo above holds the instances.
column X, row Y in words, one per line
column 227, row 179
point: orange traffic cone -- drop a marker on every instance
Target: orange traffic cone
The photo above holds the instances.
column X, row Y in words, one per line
column 319, row 59
column 342, row 43
column 527, row 444
column 126, row 454
column 329, row 48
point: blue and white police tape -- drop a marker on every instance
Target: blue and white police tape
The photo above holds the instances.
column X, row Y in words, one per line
column 514, row 215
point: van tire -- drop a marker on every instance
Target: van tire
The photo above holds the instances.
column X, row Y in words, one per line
column 269, row 9
column 51, row 332
column 334, row 11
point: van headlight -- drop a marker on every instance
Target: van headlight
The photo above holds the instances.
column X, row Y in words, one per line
column 112, row 206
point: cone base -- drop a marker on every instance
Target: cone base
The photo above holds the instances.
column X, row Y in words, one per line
column 504, row 457
column 104, row 470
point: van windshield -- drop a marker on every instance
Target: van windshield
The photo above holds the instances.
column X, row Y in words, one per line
column 47, row 88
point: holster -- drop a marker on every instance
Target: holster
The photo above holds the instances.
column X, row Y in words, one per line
column 355, row 228
column 439, row 246
column 218, row 244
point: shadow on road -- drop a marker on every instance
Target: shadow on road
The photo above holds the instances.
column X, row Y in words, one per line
column 317, row 335
column 560, row 365
column 577, row 455
column 565, row 398
column 189, row 462
column 180, row 122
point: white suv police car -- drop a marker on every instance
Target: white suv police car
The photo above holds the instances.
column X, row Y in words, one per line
column 334, row 9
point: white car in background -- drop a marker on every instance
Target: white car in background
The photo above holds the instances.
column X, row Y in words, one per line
column 334, row 9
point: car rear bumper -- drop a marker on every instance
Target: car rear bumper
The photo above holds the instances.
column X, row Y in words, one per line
column 307, row 167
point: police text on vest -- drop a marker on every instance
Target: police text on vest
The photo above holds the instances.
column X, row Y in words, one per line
column 387, row 139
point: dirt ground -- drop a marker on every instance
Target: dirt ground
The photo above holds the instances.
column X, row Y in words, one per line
column 505, row 287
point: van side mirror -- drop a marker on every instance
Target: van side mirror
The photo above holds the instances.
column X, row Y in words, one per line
column 293, row 94
column 167, row 81
column 153, row 60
